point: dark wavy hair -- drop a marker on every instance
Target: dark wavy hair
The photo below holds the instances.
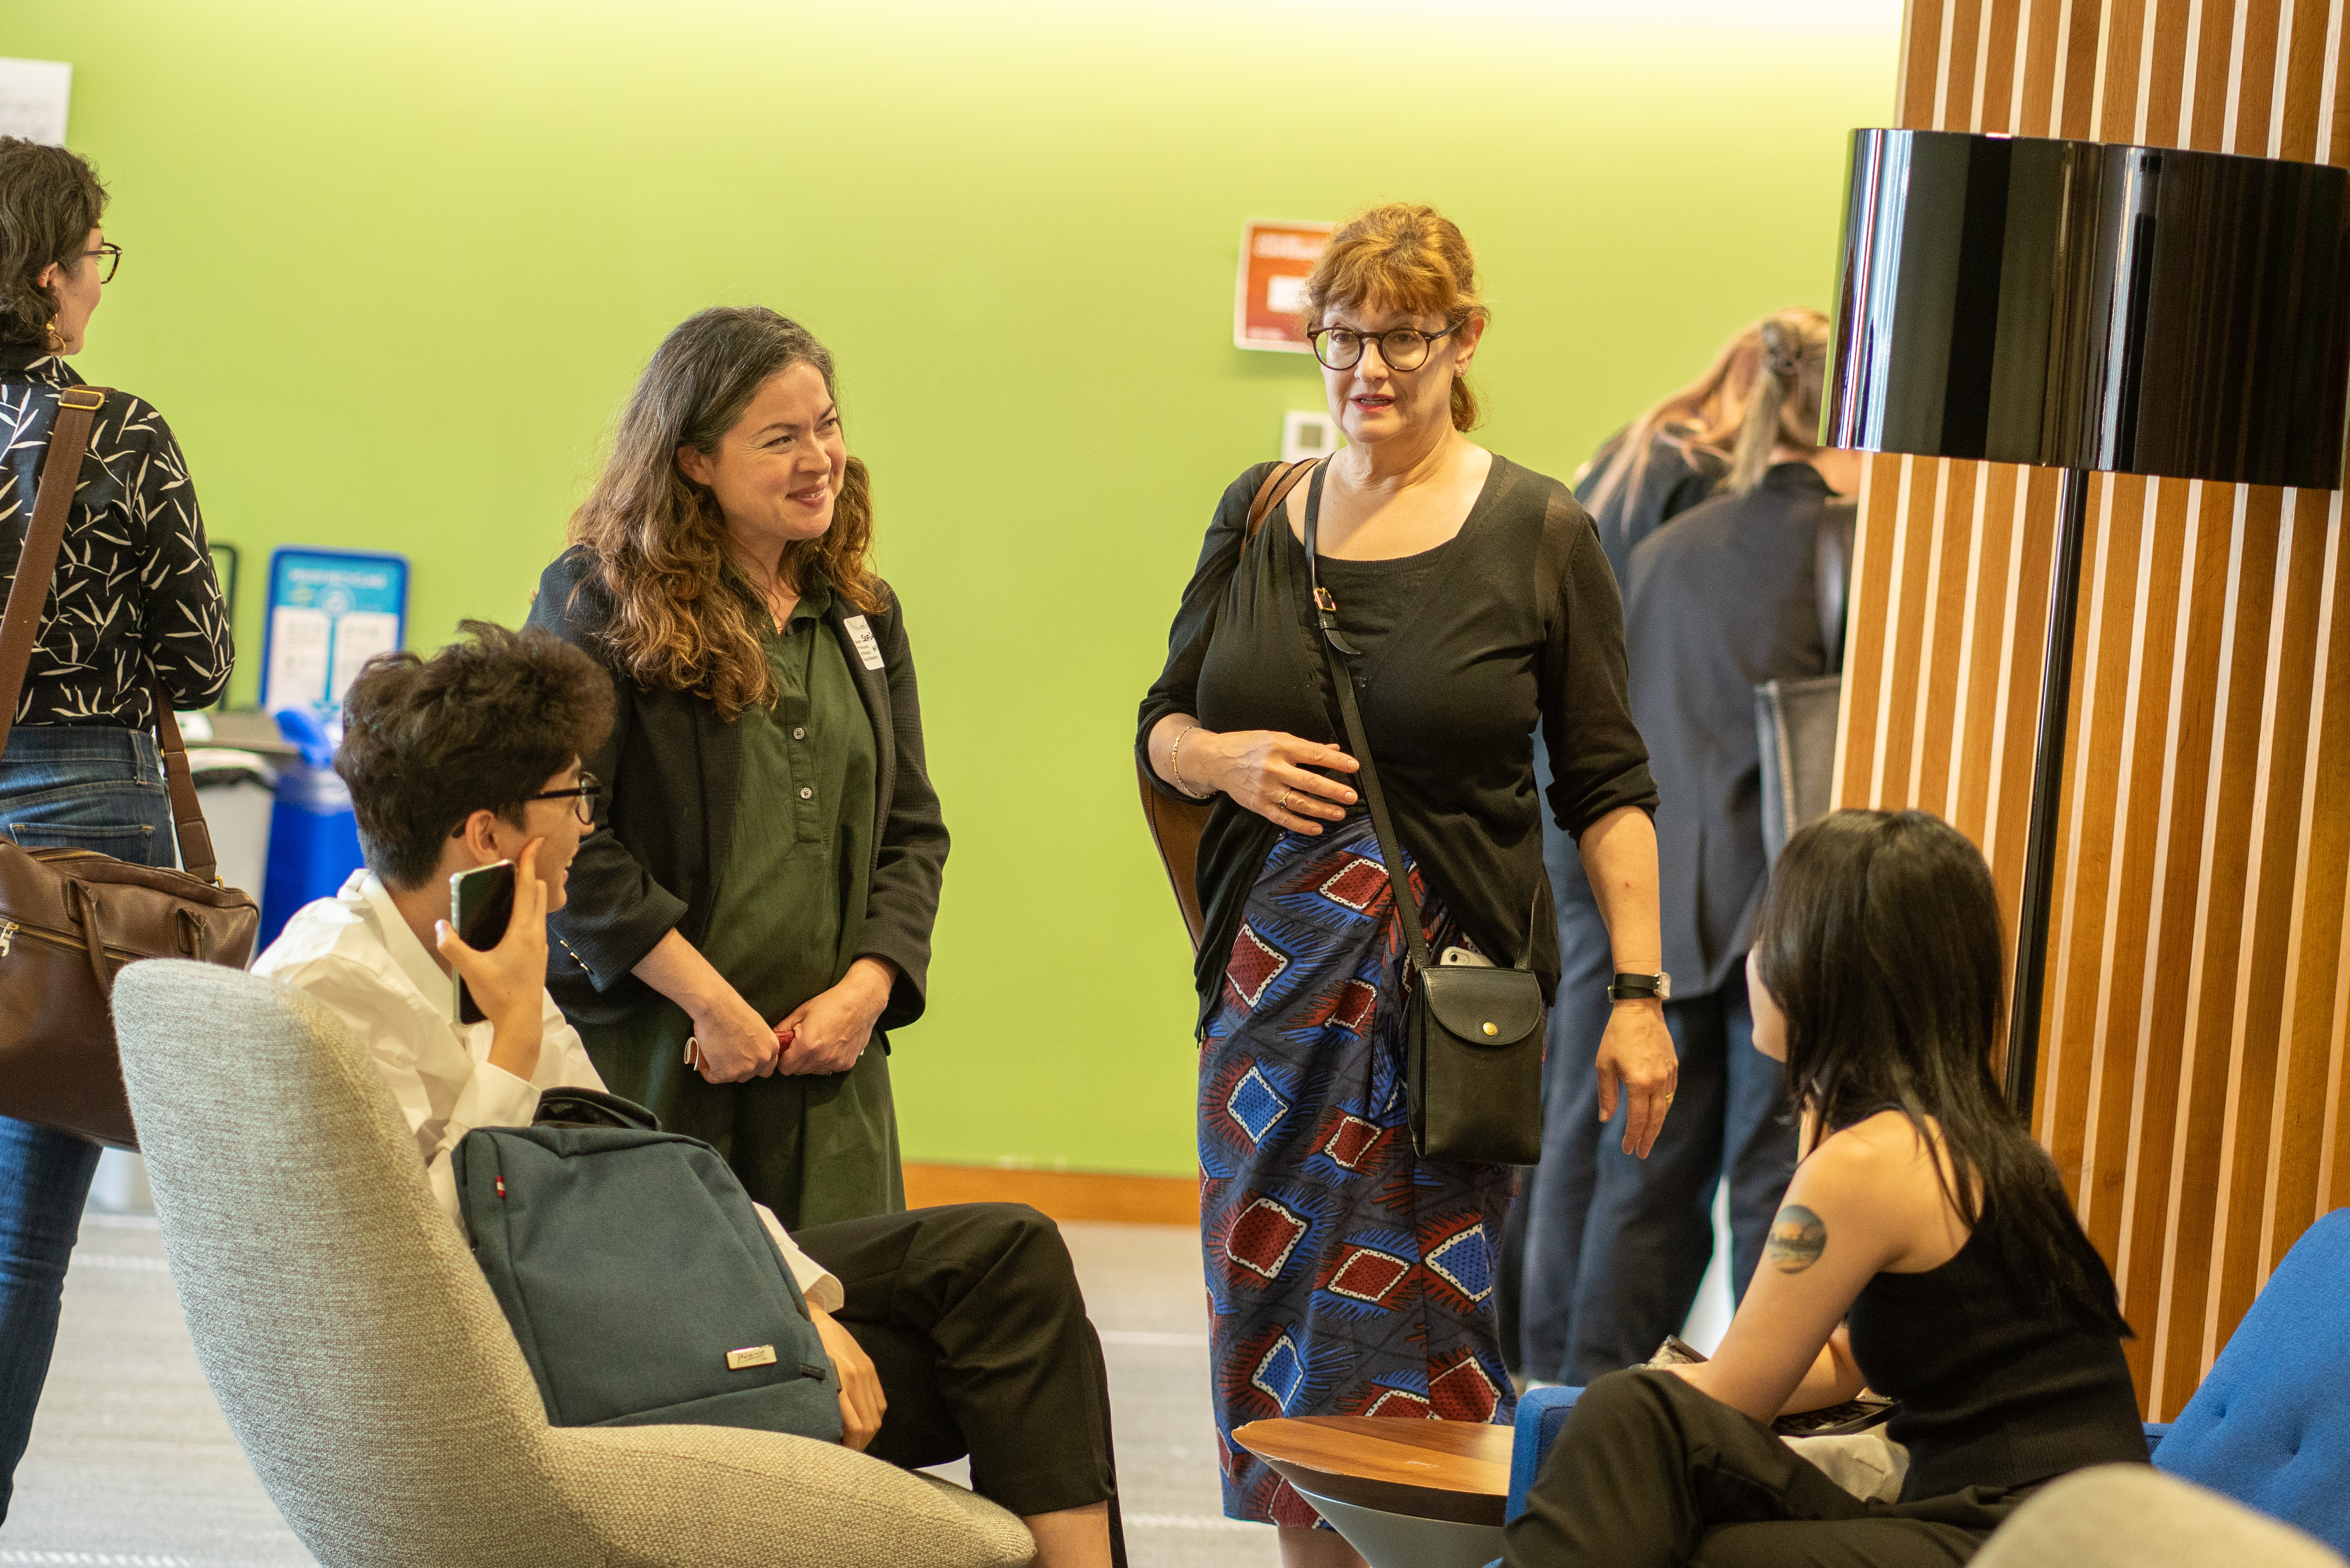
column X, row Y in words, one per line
column 1880, row 941
column 49, row 200
column 683, row 618
column 482, row 725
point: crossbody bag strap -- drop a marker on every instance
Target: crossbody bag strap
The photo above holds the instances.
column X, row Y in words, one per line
column 197, row 856
column 1340, row 653
column 1278, row 482
column 37, row 562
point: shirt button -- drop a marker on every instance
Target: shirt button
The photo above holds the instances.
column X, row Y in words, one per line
column 798, row 733
column 807, row 794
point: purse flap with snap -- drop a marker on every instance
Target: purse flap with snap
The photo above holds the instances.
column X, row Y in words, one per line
column 1494, row 1007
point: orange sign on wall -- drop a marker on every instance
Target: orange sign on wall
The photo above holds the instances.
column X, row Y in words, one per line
column 1276, row 258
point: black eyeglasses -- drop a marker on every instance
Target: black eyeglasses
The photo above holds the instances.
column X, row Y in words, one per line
column 1400, row 347
column 113, row 255
column 585, row 794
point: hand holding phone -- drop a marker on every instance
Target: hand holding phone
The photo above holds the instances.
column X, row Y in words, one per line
column 496, row 944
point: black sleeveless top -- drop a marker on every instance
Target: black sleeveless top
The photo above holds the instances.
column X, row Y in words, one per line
column 1997, row 1389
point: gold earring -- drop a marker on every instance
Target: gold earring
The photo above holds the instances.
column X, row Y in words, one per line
column 56, row 342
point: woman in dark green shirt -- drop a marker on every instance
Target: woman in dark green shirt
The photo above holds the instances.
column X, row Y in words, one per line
column 759, row 909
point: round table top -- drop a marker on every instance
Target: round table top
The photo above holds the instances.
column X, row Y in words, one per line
column 1456, row 1470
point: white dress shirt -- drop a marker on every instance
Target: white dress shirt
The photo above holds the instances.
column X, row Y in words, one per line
column 355, row 953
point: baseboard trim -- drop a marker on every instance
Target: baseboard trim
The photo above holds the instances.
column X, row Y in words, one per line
column 1062, row 1194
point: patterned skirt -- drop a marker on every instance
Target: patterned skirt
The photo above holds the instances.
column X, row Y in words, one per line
column 1346, row 1276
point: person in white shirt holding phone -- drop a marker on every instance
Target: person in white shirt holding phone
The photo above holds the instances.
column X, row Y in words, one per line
column 959, row 1329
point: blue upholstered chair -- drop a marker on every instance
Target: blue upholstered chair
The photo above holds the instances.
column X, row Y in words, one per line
column 2270, row 1426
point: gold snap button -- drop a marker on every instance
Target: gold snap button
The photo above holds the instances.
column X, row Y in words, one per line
column 1492, row 1029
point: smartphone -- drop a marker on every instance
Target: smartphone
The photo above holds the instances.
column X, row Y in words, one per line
column 481, row 905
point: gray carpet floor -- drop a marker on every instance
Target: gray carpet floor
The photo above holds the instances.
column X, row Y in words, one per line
column 132, row 1465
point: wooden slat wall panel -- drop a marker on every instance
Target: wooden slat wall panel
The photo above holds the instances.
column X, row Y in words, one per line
column 2195, row 1064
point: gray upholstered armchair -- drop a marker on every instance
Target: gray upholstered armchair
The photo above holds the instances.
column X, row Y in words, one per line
column 366, row 1370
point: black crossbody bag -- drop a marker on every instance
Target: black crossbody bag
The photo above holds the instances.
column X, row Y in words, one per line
column 1474, row 1041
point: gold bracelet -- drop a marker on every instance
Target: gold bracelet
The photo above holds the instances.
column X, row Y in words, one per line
column 1175, row 762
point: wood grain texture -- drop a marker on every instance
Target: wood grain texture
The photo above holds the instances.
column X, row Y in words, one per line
column 2194, row 1078
column 1060, row 1194
column 1457, row 1470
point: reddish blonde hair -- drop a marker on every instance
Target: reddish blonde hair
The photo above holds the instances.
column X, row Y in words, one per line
column 1407, row 257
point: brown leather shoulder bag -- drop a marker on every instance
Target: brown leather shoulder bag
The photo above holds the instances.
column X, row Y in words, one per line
column 70, row 918
column 1176, row 824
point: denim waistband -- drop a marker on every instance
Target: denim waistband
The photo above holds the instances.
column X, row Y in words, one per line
column 103, row 750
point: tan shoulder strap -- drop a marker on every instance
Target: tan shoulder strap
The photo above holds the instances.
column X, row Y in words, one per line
column 1278, row 484
column 37, row 562
column 28, row 595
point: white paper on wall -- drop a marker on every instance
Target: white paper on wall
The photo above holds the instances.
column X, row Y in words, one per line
column 33, row 98
column 359, row 636
column 298, row 657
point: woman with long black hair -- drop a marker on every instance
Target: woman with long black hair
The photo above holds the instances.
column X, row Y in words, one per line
column 1925, row 1249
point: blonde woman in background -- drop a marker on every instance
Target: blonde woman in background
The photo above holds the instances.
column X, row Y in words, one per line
column 1719, row 602
column 1671, row 459
column 1346, row 1274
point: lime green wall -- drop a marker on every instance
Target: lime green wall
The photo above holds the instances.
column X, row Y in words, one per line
column 392, row 269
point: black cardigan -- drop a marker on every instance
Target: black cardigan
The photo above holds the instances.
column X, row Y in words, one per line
column 1521, row 626
column 671, row 771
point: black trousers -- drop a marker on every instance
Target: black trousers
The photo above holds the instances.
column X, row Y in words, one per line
column 1651, row 1474
column 1650, row 1230
column 973, row 1319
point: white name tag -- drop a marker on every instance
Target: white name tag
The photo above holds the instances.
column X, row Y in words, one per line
column 749, row 1356
column 869, row 652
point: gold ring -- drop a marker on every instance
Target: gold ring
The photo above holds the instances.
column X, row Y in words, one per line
column 1283, row 803
column 1668, row 1099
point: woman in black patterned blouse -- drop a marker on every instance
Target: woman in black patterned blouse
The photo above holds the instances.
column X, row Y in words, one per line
column 134, row 606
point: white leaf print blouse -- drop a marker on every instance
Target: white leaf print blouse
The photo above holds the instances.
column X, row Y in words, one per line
column 134, row 589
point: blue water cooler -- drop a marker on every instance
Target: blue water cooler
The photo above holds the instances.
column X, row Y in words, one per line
column 314, row 835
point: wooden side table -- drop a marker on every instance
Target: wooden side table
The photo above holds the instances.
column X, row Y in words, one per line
column 1405, row 1493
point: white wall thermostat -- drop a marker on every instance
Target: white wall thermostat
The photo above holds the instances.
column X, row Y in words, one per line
column 1307, row 432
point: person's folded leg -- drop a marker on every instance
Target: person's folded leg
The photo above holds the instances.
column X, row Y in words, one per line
column 985, row 1293
column 1647, row 1467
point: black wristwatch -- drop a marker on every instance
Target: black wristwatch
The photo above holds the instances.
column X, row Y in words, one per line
column 1639, row 987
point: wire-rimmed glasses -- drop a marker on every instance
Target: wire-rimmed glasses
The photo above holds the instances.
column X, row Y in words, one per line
column 1400, row 347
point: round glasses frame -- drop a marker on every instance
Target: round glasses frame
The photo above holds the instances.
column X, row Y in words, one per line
column 113, row 255
column 1400, row 347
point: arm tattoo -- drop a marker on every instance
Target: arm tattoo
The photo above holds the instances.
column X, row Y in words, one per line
column 1798, row 1237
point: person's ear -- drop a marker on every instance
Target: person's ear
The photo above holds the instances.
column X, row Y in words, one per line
column 46, row 278
column 480, row 838
column 695, row 465
column 1464, row 344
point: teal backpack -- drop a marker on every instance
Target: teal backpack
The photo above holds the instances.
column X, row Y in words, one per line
column 642, row 1286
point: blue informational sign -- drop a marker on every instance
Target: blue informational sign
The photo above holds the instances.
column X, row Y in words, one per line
column 330, row 611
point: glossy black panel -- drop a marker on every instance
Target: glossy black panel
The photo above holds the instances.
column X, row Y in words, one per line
column 2084, row 304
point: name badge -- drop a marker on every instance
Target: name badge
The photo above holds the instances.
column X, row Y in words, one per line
column 869, row 652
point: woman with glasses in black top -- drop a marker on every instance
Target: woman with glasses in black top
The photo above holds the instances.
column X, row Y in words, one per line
column 1348, row 1276
column 134, row 612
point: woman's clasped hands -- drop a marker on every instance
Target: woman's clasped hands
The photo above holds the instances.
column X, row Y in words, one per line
column 827, row 1034
column 1269, row 773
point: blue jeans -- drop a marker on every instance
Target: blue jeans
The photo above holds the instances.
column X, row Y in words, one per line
column 99, row 789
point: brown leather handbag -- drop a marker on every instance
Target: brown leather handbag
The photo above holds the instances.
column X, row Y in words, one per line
column 1176, row 824
column 70, row 918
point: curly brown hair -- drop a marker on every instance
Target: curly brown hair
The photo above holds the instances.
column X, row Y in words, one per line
column 684, row 619
column 482, row 725
column 49, row 200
